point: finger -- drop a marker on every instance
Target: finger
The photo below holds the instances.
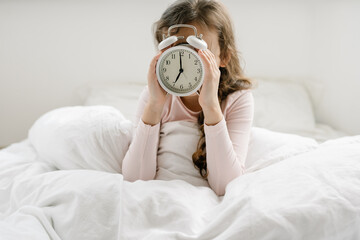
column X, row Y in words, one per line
column 158, row 55
column 154, row 60
column 205, row 58
column 211, row 58
column 208, row 57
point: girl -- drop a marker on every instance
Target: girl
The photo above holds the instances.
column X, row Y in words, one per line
column 223, row 109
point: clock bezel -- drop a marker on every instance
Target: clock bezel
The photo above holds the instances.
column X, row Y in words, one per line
column 160, row 80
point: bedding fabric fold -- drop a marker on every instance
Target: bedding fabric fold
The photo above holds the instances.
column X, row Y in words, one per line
column 298, row 190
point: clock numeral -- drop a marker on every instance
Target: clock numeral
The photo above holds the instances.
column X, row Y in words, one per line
column 164, row 69
column 167, row 78
column 189, row 55
column 182, row 53
column 195, row 79
column 198, row 70
column 190, row 84
column 181, row 86
column 196, row 62
column 174, row 85
column 167, row 62
column 173, row 56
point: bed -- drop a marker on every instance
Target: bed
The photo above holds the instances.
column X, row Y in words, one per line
column 64, row 180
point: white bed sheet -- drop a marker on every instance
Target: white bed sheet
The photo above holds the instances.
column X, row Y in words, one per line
column 298, row 190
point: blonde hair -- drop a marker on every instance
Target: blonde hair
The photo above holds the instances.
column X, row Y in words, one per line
column 211, row 15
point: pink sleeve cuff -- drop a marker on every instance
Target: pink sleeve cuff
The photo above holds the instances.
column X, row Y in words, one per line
column 215, row 128
column 151, row 130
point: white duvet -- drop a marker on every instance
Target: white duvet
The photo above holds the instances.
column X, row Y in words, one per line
column 64, row 182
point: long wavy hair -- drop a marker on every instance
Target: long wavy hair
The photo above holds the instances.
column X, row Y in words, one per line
column 211, row 15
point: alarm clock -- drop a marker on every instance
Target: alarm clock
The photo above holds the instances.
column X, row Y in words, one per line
column 179, row 69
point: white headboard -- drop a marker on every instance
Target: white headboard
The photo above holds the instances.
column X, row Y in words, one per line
column 50, row 49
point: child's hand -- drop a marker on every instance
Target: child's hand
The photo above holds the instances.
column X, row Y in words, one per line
column 208, row 97
column 157, row 93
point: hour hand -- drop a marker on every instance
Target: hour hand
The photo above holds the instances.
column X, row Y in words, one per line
column 178, row 76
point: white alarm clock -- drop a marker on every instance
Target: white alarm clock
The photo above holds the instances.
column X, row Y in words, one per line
column 179, row 69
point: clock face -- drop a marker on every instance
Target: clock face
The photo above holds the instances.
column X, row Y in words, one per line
column 180, row 70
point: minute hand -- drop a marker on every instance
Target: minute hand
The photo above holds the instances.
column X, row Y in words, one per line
column 180, row 62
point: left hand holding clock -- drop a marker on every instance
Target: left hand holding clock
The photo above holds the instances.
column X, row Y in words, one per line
column 208, row 97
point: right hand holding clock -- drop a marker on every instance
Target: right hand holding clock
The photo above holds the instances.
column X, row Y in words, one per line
column 208, row 97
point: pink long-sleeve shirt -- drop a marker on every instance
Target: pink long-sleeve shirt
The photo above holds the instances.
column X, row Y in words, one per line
column 226, row 142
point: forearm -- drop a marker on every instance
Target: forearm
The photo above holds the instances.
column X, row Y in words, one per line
column 140, row 159
column 227, row 141
column 152, row 113
column 212, row 115
column 222, row 162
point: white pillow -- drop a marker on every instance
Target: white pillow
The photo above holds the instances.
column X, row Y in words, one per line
column 82, row 137
column 283, row 106
column 124, row 96
column 268, row 147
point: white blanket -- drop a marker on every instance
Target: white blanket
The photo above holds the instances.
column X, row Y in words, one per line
column 293, row 189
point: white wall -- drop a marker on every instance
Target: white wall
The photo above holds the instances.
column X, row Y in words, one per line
column 51, row 49
column 48, row 49
column 335, row 61
column 317, row 42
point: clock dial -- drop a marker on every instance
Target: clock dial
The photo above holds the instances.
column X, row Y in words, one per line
column 181, row 70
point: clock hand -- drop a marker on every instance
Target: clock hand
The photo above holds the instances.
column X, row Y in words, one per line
column 180, row 61
column 180, row 70
column 178, row 76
